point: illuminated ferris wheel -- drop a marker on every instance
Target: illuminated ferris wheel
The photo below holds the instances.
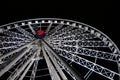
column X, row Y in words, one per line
column 56, row 49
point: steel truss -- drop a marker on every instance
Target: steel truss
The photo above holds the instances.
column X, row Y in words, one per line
column 66, row 44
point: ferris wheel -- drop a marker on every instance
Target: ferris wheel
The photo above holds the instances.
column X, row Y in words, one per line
column 56, row 49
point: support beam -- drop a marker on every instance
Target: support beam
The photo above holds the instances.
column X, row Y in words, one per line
column 36, row 59
column 32, row 77
column 90, row 52
column 32, row 61
column 7, row 45
column 26, row 33
column 17, row 50
column 67, row 30
column 31, row 28
column 52, row 70
column 55, row 29
column 5, row 69
column 48, row 28
column 86, row 43
column 26, row 70
column 62, row 31
column 75, row 76
column 56, row 64
column 14, row 34
column 85, row 36
column 18, row 72
column 10, row 39
column 89, row 65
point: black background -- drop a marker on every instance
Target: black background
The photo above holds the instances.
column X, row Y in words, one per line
column 101, row 15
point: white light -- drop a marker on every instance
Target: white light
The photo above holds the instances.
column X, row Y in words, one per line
column 110, row 44
column 80, row 26
column 115, row 50
column 16, row 25
column 23, row 24
column 8, row 27
column 36, row 21
column 104, row 39
column 73, row 24
column 86, row 28
column 98, row 34
column 43, row 21
column 1, row 30
column 92, row 31
column 68, row 23
column 49, row 21
column 55, row 22
column 29, row 22
column 62, row 22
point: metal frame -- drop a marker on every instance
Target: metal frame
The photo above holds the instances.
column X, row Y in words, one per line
column 59, row 36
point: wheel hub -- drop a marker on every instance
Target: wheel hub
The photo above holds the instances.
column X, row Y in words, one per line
column 40, row 34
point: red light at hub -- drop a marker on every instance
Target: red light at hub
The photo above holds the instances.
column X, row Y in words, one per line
column 40, row 34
